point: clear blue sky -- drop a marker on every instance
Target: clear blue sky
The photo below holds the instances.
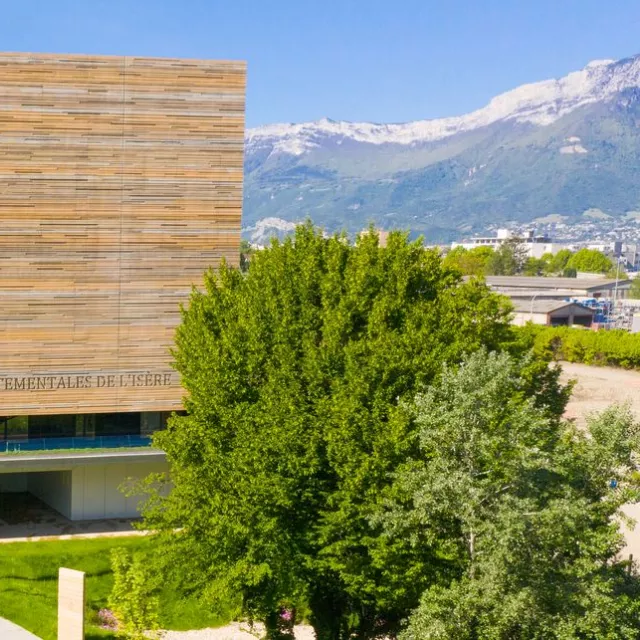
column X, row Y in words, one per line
column 375, row 60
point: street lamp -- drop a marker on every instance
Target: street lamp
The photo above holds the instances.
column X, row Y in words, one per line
column 535, row 295
column 615, row 291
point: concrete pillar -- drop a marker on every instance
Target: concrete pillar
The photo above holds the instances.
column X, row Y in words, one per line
column 71, row 597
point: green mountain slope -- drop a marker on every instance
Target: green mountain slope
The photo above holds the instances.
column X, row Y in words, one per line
column 505, row 172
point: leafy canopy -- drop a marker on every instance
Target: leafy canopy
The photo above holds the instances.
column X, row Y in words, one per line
column 535, row 267
column 521, row 503
column 470, row 262
column 589, row 261
column 508, row 259
column 295, row 376
column 558, row 262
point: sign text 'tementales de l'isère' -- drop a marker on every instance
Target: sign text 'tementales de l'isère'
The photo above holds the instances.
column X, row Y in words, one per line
column 57, row 382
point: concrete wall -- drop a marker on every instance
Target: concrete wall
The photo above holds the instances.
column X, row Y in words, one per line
column 96, row 490
column 521, row 318
column 53, row 488
column 13, row 483
column 538, row 249
column 85, row 491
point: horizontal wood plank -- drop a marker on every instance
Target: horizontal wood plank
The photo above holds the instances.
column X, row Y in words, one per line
column 120, row 184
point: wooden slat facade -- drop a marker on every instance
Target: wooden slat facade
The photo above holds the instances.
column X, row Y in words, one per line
column 120, row 183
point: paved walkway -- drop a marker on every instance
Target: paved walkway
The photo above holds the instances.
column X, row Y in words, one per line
column 75, row 536
column 10, row 631
column 25, row 517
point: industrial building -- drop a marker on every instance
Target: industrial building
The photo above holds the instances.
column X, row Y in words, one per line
column 551, row 313
column 121, row 184
column 559, row 288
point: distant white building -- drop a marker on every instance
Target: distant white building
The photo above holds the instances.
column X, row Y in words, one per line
column 628, row 252
column 536, row 245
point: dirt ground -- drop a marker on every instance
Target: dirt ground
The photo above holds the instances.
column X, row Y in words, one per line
column 599, row 387
column 595, row 390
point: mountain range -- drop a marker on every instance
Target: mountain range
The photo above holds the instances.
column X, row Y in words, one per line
column 555, row 153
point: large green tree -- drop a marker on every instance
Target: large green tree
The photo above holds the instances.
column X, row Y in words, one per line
column 524, row 509
column 535, row 267
column 508, row 259
column 295, row 376
column 590, row 261
column 558, row 262
column 470, row 262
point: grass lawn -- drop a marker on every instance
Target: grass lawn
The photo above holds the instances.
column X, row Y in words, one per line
column 28, row 586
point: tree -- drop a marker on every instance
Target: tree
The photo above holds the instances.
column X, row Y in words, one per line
column 590, row 261
column 245, row 254
column 534, row 267
column 522, row 507
column 558, row 262
column 133, row 597
column 508, row 259
column 295, row 375
column 634, row 290
column 470, row 262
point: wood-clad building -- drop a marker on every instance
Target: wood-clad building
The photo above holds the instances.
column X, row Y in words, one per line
column 120, row 184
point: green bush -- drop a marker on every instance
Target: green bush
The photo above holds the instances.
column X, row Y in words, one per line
column 615, row 348
column 133, row 598
column 29, row 586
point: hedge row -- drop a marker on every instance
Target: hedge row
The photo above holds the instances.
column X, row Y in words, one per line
column 605, row 348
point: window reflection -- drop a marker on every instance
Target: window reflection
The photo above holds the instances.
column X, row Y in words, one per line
column 82, row 425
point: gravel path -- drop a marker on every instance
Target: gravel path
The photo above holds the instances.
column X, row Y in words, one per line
column 234, row 631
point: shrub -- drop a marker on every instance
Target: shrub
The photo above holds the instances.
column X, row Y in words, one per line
column 133, row 598
column 615, row 348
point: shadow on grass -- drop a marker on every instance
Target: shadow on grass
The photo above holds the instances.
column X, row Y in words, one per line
column 52, row 577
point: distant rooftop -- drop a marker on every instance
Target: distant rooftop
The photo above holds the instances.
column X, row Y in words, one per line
column 546, row 294
column 506, row 234
column 546, row 306
column 569, row 284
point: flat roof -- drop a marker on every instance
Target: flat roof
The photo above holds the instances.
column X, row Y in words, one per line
column 534, row 282
column 523, row 240
column 547, row 306
column 544, row 294
column 52, row 461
